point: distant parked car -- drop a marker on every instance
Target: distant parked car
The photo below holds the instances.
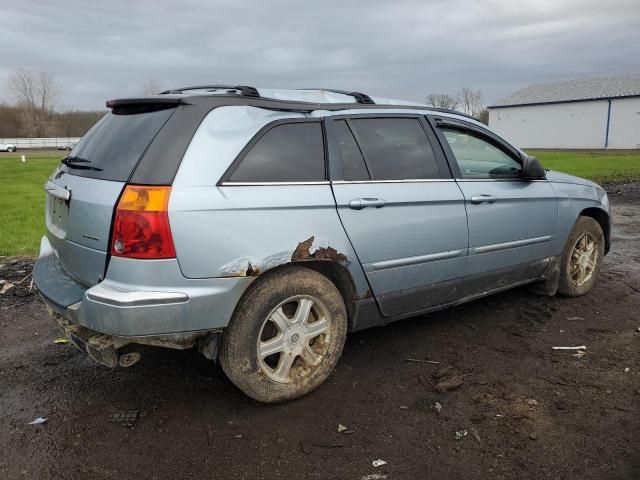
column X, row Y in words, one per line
column 7, row 147
column 66, row 146
column 261, row 226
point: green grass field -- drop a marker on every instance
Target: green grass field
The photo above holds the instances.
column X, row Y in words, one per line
column 22, row 200
column 22, row 195
column 599, row 166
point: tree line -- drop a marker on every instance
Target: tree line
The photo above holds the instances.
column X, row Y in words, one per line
column 33, row 112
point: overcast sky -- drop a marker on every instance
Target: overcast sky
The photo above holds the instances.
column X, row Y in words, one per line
column 403, row 49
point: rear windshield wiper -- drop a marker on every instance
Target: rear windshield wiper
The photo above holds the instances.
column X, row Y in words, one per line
column 77, row 163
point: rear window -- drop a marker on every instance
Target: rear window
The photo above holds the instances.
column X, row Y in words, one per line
column 113, row 147
column 293, row 152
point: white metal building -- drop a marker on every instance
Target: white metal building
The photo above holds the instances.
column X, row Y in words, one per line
column 597, row 112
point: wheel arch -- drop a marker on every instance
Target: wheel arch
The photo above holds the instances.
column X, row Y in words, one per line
column 340, row 276
column 334, row 271
column 602, row 217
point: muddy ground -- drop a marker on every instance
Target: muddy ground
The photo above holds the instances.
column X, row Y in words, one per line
column 528, row 412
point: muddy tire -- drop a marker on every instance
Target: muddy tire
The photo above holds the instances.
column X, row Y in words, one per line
column 286, row 335
column 581, row 258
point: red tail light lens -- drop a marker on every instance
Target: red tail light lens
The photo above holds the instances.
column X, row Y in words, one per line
column 141, row 227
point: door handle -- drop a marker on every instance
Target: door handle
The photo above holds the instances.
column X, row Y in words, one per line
column 478, row 199
column 360, row 203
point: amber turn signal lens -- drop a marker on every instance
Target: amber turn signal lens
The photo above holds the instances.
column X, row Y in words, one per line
column 146, row 199
column 141, row 226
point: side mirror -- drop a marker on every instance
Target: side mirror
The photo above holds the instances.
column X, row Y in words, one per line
column 532, row 169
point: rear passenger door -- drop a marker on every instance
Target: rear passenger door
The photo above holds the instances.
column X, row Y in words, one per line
column 400, row 207
column 512, row 221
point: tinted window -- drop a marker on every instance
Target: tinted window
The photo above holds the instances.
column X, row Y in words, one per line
column 478, row 158
column 117, row 142
column 353, row 166
column 293, row 152
column 395, row 148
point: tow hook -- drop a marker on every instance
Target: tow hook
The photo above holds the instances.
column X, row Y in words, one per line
column 128, row 359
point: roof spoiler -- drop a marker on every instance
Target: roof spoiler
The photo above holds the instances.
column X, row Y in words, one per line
column 155, row 100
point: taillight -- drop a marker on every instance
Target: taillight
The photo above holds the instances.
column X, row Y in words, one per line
column 141, row 227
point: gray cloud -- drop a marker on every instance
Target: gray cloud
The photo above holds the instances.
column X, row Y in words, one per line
column 404, row 49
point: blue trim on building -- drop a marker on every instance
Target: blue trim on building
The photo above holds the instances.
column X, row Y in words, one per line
column 606, row 135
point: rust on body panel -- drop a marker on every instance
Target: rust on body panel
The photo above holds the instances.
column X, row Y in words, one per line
column 303, row 253
column 306, row 250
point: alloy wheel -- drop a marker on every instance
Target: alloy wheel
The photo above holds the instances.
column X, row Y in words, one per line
column 294, row 338
column 584, row 259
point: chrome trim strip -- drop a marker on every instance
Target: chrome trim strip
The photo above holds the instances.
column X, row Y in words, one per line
column 405, row 262
column 417, row 180
column 257, row 184
column 57, row 191
column 507, row 245
column 135, row 298
column 464, row 180
column 335, row 182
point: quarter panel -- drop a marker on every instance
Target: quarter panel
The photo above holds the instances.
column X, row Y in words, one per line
column 235, row 231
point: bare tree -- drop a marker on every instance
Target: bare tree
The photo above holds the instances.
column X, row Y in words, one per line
column 151, row 87
column 442, row 100
column 37, row 94
column 470, row 101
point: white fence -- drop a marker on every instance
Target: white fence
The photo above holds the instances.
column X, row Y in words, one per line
column 21, row 143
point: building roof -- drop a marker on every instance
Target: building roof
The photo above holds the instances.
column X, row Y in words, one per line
column 593, row 88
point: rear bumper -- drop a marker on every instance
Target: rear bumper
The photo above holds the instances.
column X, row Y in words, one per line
column 138, row 298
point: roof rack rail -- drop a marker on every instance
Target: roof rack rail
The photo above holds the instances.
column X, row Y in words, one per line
column 454, row 112
column 244, row 90
column 360, row 97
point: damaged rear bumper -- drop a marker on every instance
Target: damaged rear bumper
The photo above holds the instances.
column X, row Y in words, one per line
column 138, row 297
column 108, row 349
column 147, row 303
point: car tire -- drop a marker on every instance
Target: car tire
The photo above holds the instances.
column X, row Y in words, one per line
column 11, row 149
column 300, row 316
column 581, row 258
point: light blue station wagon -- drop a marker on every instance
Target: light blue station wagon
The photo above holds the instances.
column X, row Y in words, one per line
column 260, row 226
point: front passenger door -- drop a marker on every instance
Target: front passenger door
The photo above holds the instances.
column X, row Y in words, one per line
column 512, row 221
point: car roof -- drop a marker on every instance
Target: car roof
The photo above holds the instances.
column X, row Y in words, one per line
column 299, row 100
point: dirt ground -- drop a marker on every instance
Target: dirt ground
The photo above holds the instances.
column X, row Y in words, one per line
column 528, row 412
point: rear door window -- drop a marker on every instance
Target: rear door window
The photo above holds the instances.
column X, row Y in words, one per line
column 291, row 152
column 395, row 148
column 113, row 147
